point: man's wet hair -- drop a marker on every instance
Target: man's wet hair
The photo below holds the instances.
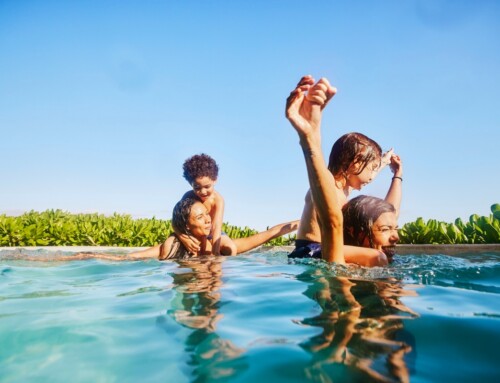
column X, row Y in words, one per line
column 359, row 215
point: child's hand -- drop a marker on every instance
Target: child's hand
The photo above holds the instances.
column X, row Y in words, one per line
column 191, row 244
column 396, row 165
column 386, row 158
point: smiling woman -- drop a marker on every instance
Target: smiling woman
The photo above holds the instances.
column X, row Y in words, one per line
column 371, row 222
column 191, row 218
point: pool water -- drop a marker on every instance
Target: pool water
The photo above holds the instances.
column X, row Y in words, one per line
column 251, row 318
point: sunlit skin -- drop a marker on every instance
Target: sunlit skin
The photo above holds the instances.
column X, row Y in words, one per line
column 204, row 190
column 203, row 187
column 385, row 234
column 358, row 181
column 200, row 222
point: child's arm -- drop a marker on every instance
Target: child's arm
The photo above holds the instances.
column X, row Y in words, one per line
column 304, row 113
column 191, row 244
column 395, row 191
column 217, row 218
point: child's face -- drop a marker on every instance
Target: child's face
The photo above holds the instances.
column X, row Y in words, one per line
column 357, row 181
column 203, row 187
column 199, row 222
column 385, row 234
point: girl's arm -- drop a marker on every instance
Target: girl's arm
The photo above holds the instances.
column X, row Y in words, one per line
column 394, row 194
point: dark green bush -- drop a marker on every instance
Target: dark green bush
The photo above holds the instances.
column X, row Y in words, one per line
column 60, row 228
column 479, row 230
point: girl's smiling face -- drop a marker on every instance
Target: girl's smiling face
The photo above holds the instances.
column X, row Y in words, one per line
column 199, row 222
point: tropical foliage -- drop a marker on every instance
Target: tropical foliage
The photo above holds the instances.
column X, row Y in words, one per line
column 60, row 228
column 478, row 230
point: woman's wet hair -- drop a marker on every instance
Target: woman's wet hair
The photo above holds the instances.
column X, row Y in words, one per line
column 353, row 148
column 180, row 214
column 359, row 215
column 200, row 165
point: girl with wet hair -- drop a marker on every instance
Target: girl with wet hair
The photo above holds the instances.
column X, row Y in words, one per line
column 352, row 153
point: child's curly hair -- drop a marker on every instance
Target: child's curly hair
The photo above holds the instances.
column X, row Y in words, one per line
column 200, row 165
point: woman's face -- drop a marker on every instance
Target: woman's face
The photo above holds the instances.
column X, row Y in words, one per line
column 385, row 234
column 199, row 222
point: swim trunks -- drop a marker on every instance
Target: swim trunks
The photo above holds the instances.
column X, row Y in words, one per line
column 306, row 249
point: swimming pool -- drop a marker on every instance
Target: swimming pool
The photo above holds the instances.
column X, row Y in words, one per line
column 256, row 317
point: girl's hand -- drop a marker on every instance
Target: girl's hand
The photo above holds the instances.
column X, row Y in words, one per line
column 386, row 158
column 396, row 165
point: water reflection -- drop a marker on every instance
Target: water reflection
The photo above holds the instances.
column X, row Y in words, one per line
column 195, row 306
column 362, row 328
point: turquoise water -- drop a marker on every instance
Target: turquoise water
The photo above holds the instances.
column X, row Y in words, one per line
column 249, row 318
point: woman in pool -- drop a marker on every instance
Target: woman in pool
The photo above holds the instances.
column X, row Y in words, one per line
column 370, row 222
column 191, row 217
column 304, row 111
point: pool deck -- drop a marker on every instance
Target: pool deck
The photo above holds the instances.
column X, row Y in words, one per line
column 401, row 249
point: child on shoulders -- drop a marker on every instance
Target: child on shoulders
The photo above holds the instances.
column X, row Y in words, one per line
column 201, row 171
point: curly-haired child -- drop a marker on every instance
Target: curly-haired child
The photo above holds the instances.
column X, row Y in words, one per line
column 201, row 171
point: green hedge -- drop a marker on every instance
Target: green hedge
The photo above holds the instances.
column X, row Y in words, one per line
column 60, row 228
column 478, row 230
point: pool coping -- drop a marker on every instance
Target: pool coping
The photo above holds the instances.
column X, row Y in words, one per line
column 401, row 249
column 429, row 249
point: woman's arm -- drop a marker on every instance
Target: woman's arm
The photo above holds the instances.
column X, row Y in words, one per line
column 253, row 241
column 152, row 252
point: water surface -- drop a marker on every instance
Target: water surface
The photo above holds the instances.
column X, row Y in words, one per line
column 248, row 318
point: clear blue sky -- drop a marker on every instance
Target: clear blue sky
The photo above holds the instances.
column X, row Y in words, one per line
column 102, row 101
